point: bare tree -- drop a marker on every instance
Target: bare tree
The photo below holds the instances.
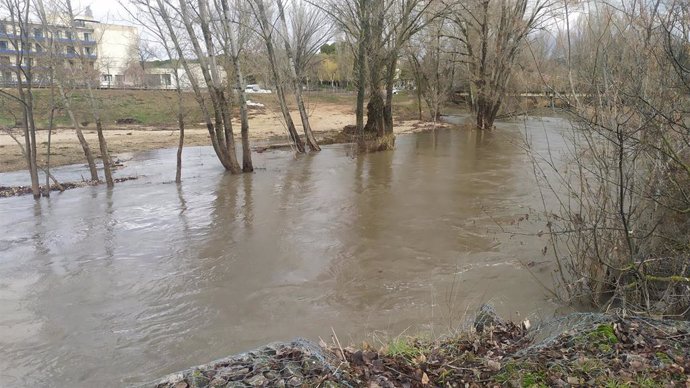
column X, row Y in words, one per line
column 378, row 29
column 59, row 80
column 83, row 71
column 492, row 33
column 235, row 32
column 621, row 230
column 19, row 19
column 266, row 30
column 305, row 28
column 146, row 14
column 220, row 126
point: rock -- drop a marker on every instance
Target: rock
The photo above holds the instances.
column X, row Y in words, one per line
column 493, row 365
column 486, row 317
column 257, row 381
column 294, row 382
column 198, row 380
column 217, row 382
column 271, row 376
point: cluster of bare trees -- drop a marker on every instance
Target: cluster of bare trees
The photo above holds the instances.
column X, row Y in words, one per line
column 621, row 233
column 65, row 77
column 208, row 39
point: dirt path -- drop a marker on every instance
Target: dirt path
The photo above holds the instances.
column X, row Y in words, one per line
column 265, row 125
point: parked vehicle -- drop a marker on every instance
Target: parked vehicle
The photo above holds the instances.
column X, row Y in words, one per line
column 254, row 88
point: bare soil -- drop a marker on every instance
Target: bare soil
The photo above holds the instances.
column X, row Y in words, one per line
column 266, row 125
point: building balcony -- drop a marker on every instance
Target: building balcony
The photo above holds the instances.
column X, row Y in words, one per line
column 31, row 54
column 33, row 38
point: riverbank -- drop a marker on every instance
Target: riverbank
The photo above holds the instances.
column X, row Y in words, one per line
column 266, row 129
column 575, row 350
column 143, row 120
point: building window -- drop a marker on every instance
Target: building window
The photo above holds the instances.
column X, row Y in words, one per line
column 87, row 37
column 58, row 34
column 68, row 35
column 167, row 79
column 88, row 50
column 5, row 61
column 3, row 28
column 30, row 62
column 70, row 50
column 39, row 48
column 107, row 78
column 7, row 76
column 38, row 33
column 27, row 47
column 3, row 45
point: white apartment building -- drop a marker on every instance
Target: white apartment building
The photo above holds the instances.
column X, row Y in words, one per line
column 99, row 52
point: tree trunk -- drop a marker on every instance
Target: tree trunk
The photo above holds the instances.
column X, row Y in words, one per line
column 80, row 135
column 247, row 165
column 362, row 67
column 102, row 144
column 30, row 137
column 180, row 123
column 486, row 112
column 280, row 91
column 50, row 135
column 292, row 64
column 105, row 155
column 376, row 115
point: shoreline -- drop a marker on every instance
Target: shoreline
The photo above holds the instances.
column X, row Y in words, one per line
column 580, row 349
column 66, row 150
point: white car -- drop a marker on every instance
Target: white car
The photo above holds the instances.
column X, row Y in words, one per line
column 256, row 89
column 396, row 91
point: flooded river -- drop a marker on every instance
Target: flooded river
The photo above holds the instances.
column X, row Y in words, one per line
column 104, row 288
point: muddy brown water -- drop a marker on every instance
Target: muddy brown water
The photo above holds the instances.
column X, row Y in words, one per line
column 105, row 288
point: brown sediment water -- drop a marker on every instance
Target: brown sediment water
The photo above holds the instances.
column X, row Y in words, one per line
column 108, row 288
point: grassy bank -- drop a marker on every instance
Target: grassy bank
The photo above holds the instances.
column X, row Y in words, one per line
column 158, row 108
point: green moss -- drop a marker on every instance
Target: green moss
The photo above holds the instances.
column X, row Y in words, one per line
column 646, row 382
column 534, row 379
column 664, row 358
column 603, row 334
column 508, row 373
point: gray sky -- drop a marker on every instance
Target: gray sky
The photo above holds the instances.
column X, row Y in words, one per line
column 107, row 11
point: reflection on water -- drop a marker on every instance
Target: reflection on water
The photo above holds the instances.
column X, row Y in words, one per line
column 102, row 287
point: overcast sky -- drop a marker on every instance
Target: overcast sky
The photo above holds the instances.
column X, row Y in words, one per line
column 107, row 11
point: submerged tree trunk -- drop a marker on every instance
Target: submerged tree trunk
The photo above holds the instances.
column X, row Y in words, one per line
column 30, row 139
column 105, row 155
column 80, row 135
column 247, row 165
column 292, row 64
column 486, row 111
column 19, row 18
column 102, row 144
column 266, row 29
column 180, row 123
column 376, row 115
column 362, row 66
column 388, row 107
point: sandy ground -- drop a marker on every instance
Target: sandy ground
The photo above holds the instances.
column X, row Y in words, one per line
column 265, row 126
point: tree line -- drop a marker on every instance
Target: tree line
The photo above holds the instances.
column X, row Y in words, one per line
column 375, row 39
